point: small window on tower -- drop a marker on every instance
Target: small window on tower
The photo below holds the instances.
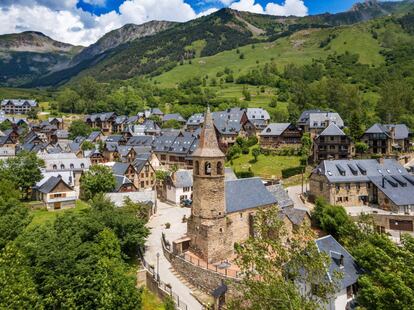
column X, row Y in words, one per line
column 197, row 168
column 219, row 168
column 207, row 168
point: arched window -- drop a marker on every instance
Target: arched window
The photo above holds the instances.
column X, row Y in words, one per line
column 62, row 167
column 82, row 165
column 207, row 168
column 197, row 168
column 54, row 167
column 219, row 168
column 72, row 166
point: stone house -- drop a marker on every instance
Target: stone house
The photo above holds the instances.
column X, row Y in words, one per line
column 278, row 135
column 56, row 194
column 18, row 106
column 332, row 143
column 341, row 262
column 146, row 178
column 179, row 186
column 175, row 116
column 10, row 138
column 386, row 139
column 315, row 121
column 175, row 149
column 382, row 183
column 194, row 122
column 123, row 185
column 57, row 122
column 104, row 121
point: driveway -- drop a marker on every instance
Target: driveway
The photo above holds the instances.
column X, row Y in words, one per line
column 294, row 193
column 173, row 215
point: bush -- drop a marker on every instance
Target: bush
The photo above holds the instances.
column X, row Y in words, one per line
column 244, row 174
column 290, row 172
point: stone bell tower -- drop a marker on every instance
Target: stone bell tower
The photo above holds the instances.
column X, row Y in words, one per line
column 208, row 227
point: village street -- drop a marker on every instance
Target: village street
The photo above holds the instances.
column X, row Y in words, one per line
column 173, row 215
column 294, row 194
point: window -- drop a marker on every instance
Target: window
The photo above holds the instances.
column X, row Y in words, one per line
column 197, row 168
column 62, row 166
column 219, row 168
column 348, row 187
column 54, row 167
column 72, row 166
column 320, row 186
column 142, row 184
column 82, row 165
column 207, row 168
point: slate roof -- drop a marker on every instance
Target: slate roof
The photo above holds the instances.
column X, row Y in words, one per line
column 139, row 164
column 296, row 216
column 180, row 143
column 102, row 116
column 401, row 131
column 67, row 177
column 121, row 180
column 228, row 121
column 62, row 134
column 175, row 116
column 196, row 119
column 93, row 136
column 257, row 113
column 120, row 168
column 332, row 130
column 350, row 270
column 183, row 178
column 275, row 129
column 50, row 184
column 399, row 189
column 156, row 111
column 243, row 194
column 19, row 102
column 319, row 118
column 281, row 195
column 358, row 170
column 140, row 141
column 115, row 138
column 67, row 164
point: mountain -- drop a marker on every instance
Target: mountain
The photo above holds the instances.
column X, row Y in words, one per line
column 28, row 56
column 157, row 47
column 120, row 36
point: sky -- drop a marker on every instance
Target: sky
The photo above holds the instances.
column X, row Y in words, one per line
column 82, row 22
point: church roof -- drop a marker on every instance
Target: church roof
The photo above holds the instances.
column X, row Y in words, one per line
column 244, row 194
column 208, row 145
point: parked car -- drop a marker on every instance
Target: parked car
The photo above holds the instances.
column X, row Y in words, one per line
column 186, row 203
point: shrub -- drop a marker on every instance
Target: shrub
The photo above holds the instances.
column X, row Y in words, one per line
column 290, row 172
column 244, row 174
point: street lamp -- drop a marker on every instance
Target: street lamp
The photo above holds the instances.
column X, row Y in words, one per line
column 158, row 267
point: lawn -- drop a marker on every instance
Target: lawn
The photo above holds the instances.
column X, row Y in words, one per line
column 268, row 167
column 150, row 301
column 43, row 216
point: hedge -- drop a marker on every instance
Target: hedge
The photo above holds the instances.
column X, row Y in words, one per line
column 244, row 174
column 290, row 172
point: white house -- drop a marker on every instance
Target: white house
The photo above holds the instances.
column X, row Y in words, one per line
column 55, row 193
column 179, row 186
column 343, row 263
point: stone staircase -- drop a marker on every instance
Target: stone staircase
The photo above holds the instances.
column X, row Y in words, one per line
column 201, row 296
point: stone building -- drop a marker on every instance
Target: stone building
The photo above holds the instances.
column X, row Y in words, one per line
column 222, row 212
column 315, row 121
column 386, row 139
column 383, row 183
column 332, row 143
column 18, row 106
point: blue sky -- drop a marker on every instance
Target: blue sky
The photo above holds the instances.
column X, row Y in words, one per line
column 82, row 22
column 314, row 6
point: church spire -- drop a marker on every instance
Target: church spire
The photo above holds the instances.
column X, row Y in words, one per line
column 208, row 145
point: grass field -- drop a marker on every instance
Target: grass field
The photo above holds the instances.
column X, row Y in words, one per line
column 43, row 216
column 299, row 49
column 150, row 301
column 269, row 167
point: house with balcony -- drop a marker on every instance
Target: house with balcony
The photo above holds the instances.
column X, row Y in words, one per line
column 18, row 106
column 103, row 121
column 55, row 193
column 279, row 135
column 315, row 121
column 332, row 143
column 387, row 139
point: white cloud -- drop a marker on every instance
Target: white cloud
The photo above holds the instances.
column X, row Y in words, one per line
column 289, row 7
column 96, row 2
column 67, row 23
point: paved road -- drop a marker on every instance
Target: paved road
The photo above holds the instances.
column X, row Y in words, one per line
column 173, row 215
column 294, row 194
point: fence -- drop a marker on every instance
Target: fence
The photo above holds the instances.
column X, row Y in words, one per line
column 166, row 289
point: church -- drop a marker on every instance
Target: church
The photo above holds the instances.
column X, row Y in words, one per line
column 223, row 210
